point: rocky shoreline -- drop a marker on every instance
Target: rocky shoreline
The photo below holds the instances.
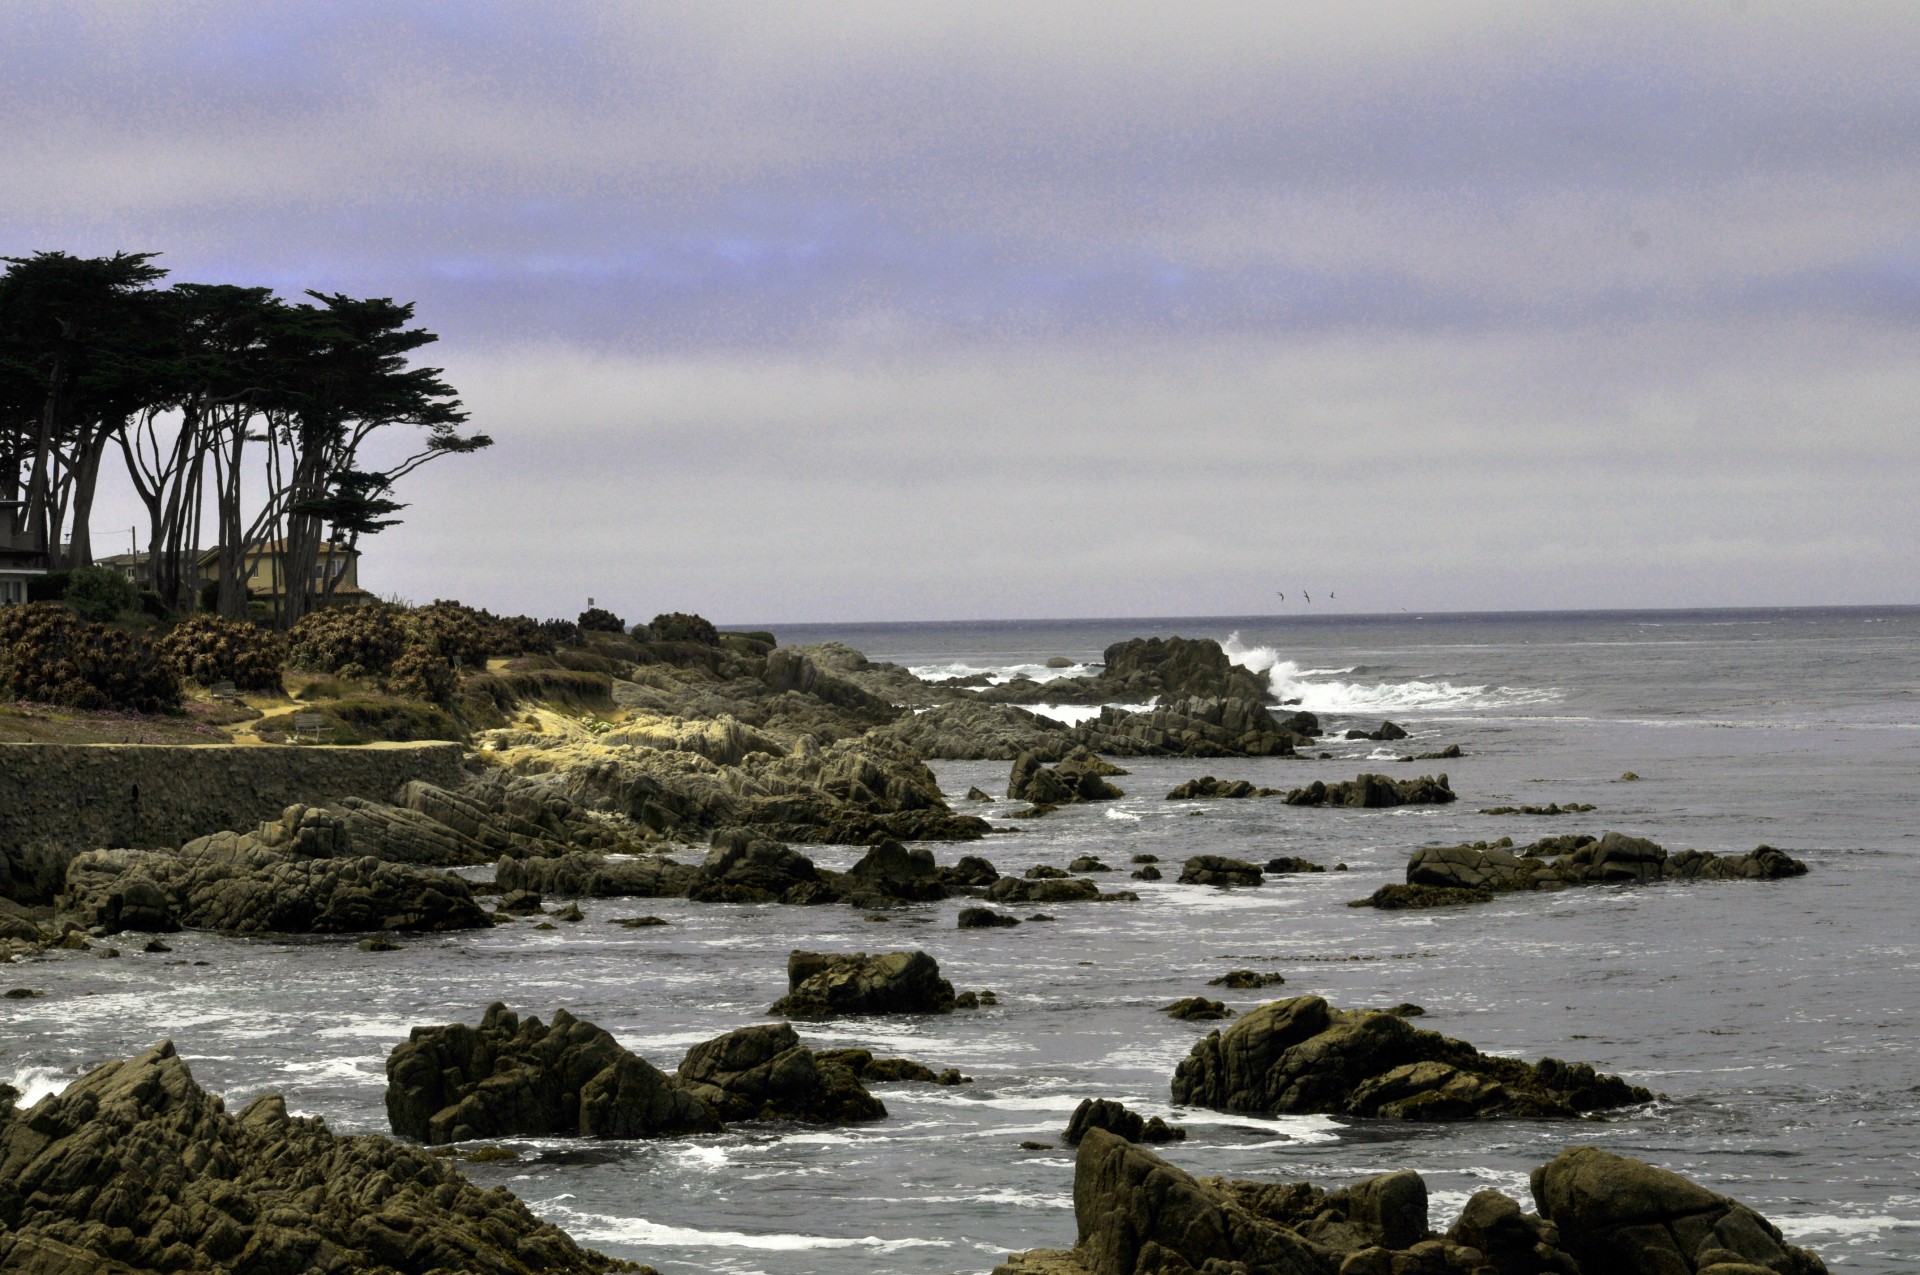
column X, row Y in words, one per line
column 722, row 762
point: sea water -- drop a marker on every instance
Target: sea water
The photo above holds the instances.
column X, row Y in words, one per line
column 1778, row 1021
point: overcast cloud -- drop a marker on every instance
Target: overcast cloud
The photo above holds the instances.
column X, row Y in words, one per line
column 892, row 311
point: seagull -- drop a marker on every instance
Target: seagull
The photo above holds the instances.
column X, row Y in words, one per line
column 1306, row 595
column 1331, row 596
column 1283, row 597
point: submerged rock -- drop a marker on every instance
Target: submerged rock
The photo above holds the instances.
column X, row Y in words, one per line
column 986, row 919
column 135, row 1168
column 825, row 984
column 1372, row 792
column 1394, row 897
column 1302, row 1056
column 511, row 1076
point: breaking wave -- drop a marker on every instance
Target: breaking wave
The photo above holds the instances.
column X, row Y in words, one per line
column 1319, row 690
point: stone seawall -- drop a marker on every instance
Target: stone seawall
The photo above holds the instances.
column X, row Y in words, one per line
column 56, row 799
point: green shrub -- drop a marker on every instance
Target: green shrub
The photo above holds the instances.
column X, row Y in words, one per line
column 601, row 620
column 460, row 633
column 356, row 641
column 100, row 594
column 676, row 626
column 560, row 633
column 524, row 635
column 50, row 587
column 210, row 649
column 51, row 656
column 421, row 672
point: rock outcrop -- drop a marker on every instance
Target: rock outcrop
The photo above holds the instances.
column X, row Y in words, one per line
column 744, row 867
column 890, row 873
column 1054, row 890
column 1137, row 1214
column 1615, row 858
column 1301, row 1056
column 828, row 984
column 134, row 1168
column 1189, row 727
column 519, row 1077
column 595, row 876
column 1371, row 791
column 765, row 1073
column 1069, row 781
column 1207, row 788
column 296, row 876
column 1384, row 733
column 977, row 732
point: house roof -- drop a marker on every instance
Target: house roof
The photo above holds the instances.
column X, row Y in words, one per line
column 208, row 555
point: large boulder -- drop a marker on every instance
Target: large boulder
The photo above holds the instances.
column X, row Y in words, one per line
column 1619, row 1214
column 33, row 875
column 827, row 984
column 1372, row 792
column 1119, row 1120
column 1140, row 668
column 135, row 1168
column 519, row 1077
column 295, row 877
column 765, row 1073
column 1302, row 1056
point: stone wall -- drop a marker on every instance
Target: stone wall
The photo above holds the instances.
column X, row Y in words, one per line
column 69, row 797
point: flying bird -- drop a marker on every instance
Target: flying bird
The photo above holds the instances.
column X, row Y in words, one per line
column 1283, row 597
column 1306, row 595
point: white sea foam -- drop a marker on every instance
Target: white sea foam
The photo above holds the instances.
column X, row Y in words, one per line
column 35, row 1083
column 1289, row 683
column 600, row 1228
column 998, row 674
column 1858, row 1228
column 1074, row 714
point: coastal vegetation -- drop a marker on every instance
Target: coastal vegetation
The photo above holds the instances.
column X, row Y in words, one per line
column 244, row 420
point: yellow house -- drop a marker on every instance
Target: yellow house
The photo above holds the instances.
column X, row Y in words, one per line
column 266, row 571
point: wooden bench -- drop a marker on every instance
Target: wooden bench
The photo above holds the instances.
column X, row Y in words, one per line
column 305, row 724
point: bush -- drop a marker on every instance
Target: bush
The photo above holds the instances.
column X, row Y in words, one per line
column 50, row 587
column 524, row 635
column 356, row 641
column 460, row 633
column 678, row 627
column 601, row 620
column 210, row 649
column 50, row 655
column 560, row 633
column 100, row 594
column 422, row 672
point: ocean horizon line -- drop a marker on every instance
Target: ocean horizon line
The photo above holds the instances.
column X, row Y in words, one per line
column 1352, row 617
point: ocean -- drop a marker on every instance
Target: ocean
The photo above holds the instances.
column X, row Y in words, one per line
column 1778, row 1021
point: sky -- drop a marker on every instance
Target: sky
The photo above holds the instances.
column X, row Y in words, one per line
column 865, row 311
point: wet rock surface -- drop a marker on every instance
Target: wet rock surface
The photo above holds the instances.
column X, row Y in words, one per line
column 1137, row 1213
column 1120, row 1121
column 1372, row 792
column 764, row 1073
column 298, row 875
column 513, row 1076
column 1614, row 858
column 826, row 984
column 135, row 1168
column 1302, row 1056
